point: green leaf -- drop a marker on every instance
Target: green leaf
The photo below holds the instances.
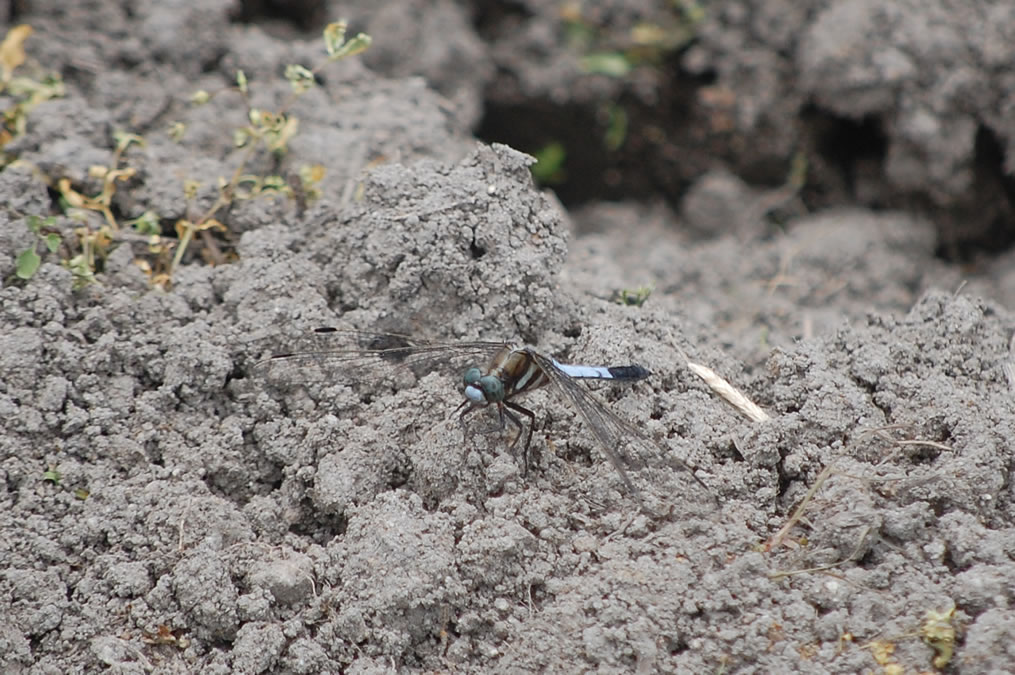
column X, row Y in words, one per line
column 616, row 128
column 149, row 223
column 549, row 166
column 240, row 137
column 273, row 182
column 176, row 130
column 334, row 37
column 27, row 264
column 80, row 270
column 337, row 47
column 300, row 78
column 125, row 138
column 53, row 242
column 612, row 64
column 357, row 45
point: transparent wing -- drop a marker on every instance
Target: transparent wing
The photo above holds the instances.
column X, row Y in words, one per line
column 624, row 444
column 351, row 355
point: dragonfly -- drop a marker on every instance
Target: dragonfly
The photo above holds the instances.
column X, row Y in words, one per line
column 510, row 372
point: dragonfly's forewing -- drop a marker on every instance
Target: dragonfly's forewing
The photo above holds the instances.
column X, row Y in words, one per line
column 342, row 355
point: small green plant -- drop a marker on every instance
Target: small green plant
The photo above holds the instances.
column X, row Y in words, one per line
column 633, row 297
column 95, row 242
column 92, row 243
column 269, row 130
column 109, row 175
column 616, row 127
column 52, row 475
column 605, row 50
column 549, row 166
column 148, row 223
column 938, row 631
column 29, row 260
column 21, row 92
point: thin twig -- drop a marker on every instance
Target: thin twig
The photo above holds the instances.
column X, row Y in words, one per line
column 777, row 538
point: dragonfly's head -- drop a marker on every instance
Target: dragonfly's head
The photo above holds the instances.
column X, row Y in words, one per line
column 482, row 389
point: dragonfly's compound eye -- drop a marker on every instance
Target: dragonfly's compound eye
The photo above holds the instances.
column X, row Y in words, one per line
column 473, row 388
column 492, row 387
column 472, row 376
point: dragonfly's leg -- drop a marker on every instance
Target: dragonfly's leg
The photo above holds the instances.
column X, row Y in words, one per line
column 468, row 431
column 461, row 416
column 501, row 420
column 528, row 437
column 508, row 416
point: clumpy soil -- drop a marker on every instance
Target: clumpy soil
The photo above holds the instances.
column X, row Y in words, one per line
column 815, row 197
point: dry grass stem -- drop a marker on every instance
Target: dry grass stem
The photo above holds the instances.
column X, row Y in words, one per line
column 733, row 396
column 799, row 512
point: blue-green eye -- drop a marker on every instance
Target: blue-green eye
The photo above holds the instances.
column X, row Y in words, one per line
column 472, row 376
column 492, row 387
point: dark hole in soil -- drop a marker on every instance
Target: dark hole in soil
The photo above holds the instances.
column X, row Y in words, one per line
column 847, row 165
column 985, row 226
column 624, row 149
column 305, row 15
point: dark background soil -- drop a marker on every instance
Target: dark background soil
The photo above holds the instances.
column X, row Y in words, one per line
column 818, row 193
